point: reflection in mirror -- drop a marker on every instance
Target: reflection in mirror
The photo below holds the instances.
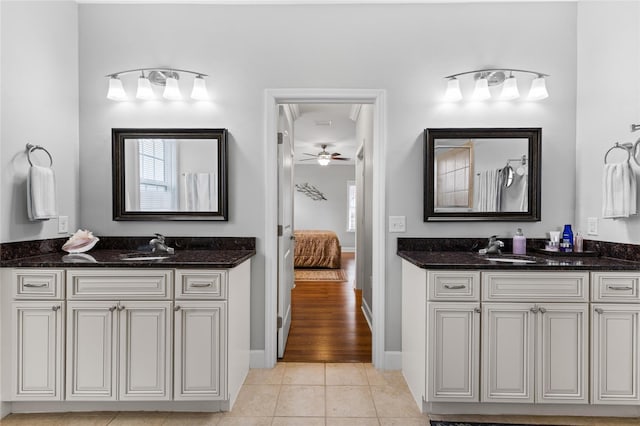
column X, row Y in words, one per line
column 482, row 174
column 169, row 174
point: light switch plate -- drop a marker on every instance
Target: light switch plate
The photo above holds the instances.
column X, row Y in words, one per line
column 592, row 226
column 63, row 224
column 397, row 224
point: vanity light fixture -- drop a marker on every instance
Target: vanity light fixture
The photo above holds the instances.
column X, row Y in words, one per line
column 489, row 77
column 167, row 77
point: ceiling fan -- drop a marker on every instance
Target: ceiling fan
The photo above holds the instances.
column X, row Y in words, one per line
column 324, row 157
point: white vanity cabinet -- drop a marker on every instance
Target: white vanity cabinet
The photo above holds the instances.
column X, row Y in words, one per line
column 535, row 337
column 118, row 346
column 615, row 331
column 37, row 332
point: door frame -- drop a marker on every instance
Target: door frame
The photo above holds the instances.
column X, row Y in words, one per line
column 273, row 98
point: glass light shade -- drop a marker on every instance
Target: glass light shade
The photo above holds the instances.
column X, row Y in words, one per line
column 199, row 91
column 172, row 90
column 538, row 89
column 510, row 89
column 116, row 91
column 324, row 160
column 453, row 93
column 481, row 92
column 144, row 89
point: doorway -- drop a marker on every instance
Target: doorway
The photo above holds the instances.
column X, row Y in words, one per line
column 375, row 98
column 325, row 319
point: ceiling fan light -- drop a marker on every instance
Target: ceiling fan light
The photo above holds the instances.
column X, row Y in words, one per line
column 324, row 159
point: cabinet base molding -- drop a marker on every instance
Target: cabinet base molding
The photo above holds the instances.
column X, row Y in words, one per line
column 5, row 409
column 82, row 406
column 531, row 409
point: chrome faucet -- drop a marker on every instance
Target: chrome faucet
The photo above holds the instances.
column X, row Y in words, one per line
column 493, row 246
column 158, row 245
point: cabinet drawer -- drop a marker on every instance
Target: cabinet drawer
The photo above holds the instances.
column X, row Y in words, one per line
column 535, row 286
column 453, row 285
column 201, row 284
column 120, row 284
column 615, row 287
column 38, row 284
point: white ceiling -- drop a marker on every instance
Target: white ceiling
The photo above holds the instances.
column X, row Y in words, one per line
column 319, row 124
column 315, row 2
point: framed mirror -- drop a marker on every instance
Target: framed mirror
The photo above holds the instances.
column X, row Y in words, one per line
column 485, row 174
column 170, row 174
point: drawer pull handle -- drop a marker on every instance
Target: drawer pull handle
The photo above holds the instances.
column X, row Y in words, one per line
column 36, row 285
column 55, row 308
column 176, row 308
column 598, row 310
column 620, row 287
column 477, row 310
column 200, row 285
column 454, row 286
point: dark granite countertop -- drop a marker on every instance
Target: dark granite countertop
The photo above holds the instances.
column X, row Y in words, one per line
column 543, row 262
column 114, row 259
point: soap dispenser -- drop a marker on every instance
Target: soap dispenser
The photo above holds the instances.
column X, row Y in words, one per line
column 519, row 243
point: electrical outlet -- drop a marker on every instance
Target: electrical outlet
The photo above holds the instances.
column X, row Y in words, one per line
column 592, row 226
column 63, row 224
column 397, row 224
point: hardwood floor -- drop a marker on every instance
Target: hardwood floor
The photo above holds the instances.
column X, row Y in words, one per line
column 327, row 323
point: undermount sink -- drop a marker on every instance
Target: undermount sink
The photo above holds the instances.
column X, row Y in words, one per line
column 510, row 260
column 142, row 256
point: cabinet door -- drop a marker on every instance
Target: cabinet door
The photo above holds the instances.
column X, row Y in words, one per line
column 453, row 348
column 200, row 350
column 614, row 347
column 145, row 351
column 508, row 352
column 37, row 355
column 561, row 353
column 91, row 347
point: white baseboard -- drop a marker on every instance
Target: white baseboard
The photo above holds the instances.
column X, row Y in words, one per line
column 256, row 359
column 367, row 313
column 393, row 360
column 5, row 409
column 348, row 249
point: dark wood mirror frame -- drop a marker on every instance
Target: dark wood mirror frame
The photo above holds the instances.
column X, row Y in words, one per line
column 120, row 212
column 534, row 137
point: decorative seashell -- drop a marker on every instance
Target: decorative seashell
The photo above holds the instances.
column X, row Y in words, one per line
column 80, row 242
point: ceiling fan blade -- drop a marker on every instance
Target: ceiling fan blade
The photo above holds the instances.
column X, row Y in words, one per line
column 341, row 158
column 307, row 159
column 313, row 155
column 335, row 154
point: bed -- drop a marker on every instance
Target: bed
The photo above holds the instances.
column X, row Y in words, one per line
column 316, row 249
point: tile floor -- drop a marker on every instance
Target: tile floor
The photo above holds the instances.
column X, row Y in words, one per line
column 301, row 394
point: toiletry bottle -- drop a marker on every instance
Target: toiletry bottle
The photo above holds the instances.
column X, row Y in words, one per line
column 578, row 242
column 519, row 243
column 566, row 244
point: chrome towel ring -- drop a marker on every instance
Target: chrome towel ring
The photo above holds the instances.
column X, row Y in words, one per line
column 628, row 147
column 31, row 148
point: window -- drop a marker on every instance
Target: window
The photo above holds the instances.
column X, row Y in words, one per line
column 157, row 179
column 351, row 206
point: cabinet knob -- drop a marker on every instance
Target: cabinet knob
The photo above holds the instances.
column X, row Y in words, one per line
column 477, row 310
column 121, row 307
column 534, row 309
column 176, row 308
column 542, row 310
column 599, row 310
column 55, row 307
column 113, row 308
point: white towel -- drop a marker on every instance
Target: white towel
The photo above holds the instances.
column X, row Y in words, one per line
column 619, row 198
column 199, row 192
column 41, row 193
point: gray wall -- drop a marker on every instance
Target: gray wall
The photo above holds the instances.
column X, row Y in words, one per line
column 608, row 102
column 39, row 105
column 364, row 261
column 242, row 48
column 329, row 214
